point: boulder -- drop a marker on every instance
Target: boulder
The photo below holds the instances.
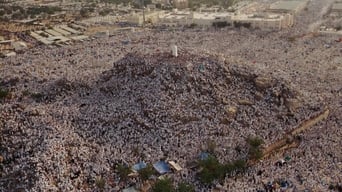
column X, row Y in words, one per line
column 263, row 83
column 231, row 111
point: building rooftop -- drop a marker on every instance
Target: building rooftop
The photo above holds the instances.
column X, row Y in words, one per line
column 210, row 16
column 258, row 17
column 61, row 31
column 175, row 17
column 337, row 6
column 290, row 5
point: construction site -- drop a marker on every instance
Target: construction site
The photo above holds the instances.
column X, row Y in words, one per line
column 173, row 108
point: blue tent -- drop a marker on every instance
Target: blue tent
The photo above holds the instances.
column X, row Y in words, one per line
column 204, row 156
column 139, row 166
column 162, row 167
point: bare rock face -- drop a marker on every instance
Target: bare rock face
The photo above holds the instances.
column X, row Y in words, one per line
column 262, row 82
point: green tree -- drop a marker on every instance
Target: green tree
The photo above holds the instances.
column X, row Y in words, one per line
column 211, row 169
column 163, row 185
column 255, row 151
column 235, row 167
column 3, row 93
column 240, row 165
column 146, row 172
column 123, row 172
column 255, row 141
column 100, row 183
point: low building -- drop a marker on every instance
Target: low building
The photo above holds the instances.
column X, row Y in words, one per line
column 265, row 21
column 180, row 18
column 19, row 46
column 203, row 19
column 180, row 4
column 57, row 35
column 138, row 18
column 336, row 9
column 61, row 31
column 288, row 6
column 151, row 6
column 208, row 19
column 71, row 30
column 250, row 7
column 52, row 32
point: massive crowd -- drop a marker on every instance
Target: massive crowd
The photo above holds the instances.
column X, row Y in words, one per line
column 77, row 110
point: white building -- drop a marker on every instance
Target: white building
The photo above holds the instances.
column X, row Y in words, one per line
column 208, row 19
column 288, row 6
column 336, row 9
column 262, row 21
column 274, row 21
column 150, row 17
column 180, row 4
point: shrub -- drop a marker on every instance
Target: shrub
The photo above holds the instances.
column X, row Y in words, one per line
column 192, row 25
column 84, row 12
column 100, row 183
column 26, row 93
column 164, row 185
column 37, row 96
column 19, row 16
column 185, row 187
column 255, row 151
column 235, row 167
column 4, row 19
column 105, row 12
column 146, row 172
column 211, row 169
column 123, row 172
column 240, row 165
column 255, row 141
column 3, row 93
column 221, row 24
column 42, row 9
